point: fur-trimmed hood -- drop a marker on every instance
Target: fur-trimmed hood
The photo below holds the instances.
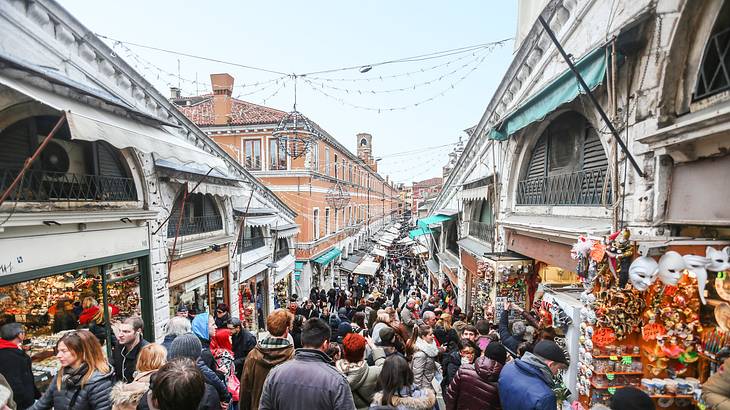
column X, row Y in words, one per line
column 419, row 400
column 126, row 396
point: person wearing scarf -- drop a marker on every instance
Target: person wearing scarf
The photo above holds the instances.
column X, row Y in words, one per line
column 424, row 352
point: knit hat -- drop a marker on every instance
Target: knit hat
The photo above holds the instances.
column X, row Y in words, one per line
column 354, row 347
column 186, row 345
column 387, row 334
column 234, row 322
column 631, row 398
column 343, row 329
column 496, row 352
column 547, row 349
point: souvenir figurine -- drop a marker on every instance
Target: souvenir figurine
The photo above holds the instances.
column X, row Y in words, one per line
column 671, row 265
column 696, row 265
column 643, row 272
column 719, row 260
column 619, row 255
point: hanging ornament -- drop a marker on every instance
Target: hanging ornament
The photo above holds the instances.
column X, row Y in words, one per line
column 296, row 133
column 337, row 196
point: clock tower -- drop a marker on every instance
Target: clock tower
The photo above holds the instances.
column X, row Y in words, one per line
column 365, row 150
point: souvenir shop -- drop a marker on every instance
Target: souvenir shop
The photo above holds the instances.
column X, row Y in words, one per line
column 200, row 282
column 501, row 277
column 252, row 288
column 644, row 317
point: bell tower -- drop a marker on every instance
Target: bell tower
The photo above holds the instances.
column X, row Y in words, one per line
column 365, row 150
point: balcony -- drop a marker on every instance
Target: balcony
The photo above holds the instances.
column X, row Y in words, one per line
column 482, row 231
column 45, row 186
column 195, row 225
column 249, row 244
column 281, row 253
column 582, row 188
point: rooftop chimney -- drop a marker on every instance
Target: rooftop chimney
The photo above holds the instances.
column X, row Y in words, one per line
column 174, row 93
column 222, row 101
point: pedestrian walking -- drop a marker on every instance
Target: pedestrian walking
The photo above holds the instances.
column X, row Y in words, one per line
column 188, row 346
column 84, row 380
column 126, row 396
column 179, row 385
column 243, row 342
column 310, row 380
column 362, row 378
column 125, row 352
column 423, row 350
column 16, row 366
column 269, row 352
column 398, row 390
column 474, row 387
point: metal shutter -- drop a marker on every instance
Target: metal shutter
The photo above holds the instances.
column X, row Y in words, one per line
column 15, row 145
column 108, row 161
column 594, row 156
column 536, row 168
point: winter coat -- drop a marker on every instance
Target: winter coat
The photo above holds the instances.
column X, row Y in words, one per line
column 411, row 398
column 212, row 378
column 309, row 381
column 6, row 389
column 167, row 342
column 475, row 386
column 376, row 331
column 716, row 390
column 448, row 338
column 243, row 343
column 424, row 364
column 126, row 396
column 124, row 362
column 526, row 384
column 267, row 354
column 16, row 366
column 363, row 379
column 222, row 322
column 94, row 395
column 450, row 365
column 509, row 341
column 407, row 319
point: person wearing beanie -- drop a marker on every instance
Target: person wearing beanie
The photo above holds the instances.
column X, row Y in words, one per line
column 475, row 385
column 631, row 398
column 527, row 383
column 343, row 330
column 189, row 346
column 362, row 378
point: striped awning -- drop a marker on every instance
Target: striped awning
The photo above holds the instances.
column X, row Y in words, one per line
column 473, row 194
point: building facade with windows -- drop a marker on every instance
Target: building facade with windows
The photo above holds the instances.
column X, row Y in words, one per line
column 329, row 232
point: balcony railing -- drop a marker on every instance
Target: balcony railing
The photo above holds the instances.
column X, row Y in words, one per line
column 195, row 225
column 578, row 188
column 44, row 186
column 482, row 231
column 281, row 253
column 249, row 244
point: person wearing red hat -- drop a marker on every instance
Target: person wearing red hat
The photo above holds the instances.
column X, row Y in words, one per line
column 363, row 379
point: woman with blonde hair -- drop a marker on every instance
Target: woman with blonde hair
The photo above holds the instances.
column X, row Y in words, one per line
column 127, row 396
column 84, row 379
column 445, row 334
column 382, row 321
column 423, row 350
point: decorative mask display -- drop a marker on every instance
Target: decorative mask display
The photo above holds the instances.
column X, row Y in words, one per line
column 671, row 265
column 719, row 260
column 643, row 272
column 722, row 316
column 619, row 253
column 696, row 265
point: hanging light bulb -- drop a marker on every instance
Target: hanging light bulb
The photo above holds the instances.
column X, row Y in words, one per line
column 364, row 69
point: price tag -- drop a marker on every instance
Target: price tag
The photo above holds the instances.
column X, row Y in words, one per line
column 609, row 376
column 613, row 357
column 612, row 390
column 627, row 360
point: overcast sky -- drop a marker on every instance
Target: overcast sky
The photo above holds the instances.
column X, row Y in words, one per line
column 305, row 36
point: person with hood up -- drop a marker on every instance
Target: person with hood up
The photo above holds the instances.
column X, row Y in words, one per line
column 222, row 349
column 424, row 352
column 126, row 396
column 84, row 379
column 176, row 326
column 475, row 385
column 398, row 390
column 363, row 379
column 203, row 326
column 527, row 383
column 16, row 366
column 269, row 352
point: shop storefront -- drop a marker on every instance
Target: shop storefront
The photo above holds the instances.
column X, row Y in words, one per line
column 251, row 295
column 200, row 282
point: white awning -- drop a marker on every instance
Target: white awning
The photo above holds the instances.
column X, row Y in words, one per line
column 89, row 123
column 393, row 230
column 367, row 267
column 385, row 243
column 477, row 193
column 406, row 241
column 397, row 225
column 265, row 220
column 419, row 249
column 379, row 251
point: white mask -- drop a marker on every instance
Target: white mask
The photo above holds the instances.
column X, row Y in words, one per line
column 671, row 266
column 696, row 265
column 719, row 260
column 643, row 272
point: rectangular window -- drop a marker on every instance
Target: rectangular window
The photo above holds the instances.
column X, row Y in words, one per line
column 347, row 216
column 252, row 154
column 315, row 158
column 327, row 161
column 315, row 223
column 277, row 155
column 337, row 220
column 349, row 178
column 326, row 221
column 336, row 166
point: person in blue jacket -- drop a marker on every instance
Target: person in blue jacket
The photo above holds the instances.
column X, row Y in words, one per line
column 527, row 383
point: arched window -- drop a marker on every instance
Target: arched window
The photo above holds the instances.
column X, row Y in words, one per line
column 200, row 215
column 567, row 165
column 714, row 74
column 66, row 170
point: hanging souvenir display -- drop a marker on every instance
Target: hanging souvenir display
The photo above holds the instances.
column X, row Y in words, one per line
column 481, row 289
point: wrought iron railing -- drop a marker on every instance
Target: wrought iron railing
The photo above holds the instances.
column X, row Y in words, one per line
column 714, row 76
column 482, row 231
column 195, row 225
column 249, row 244
column 281, row 253
column 44, row 186
column 578, row 188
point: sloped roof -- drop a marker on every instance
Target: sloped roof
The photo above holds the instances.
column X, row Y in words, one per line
column 199, row 109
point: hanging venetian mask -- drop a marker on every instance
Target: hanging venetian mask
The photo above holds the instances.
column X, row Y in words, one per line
column 719, row 260
column 671, row 266
column 696, row 265
column 643, row 272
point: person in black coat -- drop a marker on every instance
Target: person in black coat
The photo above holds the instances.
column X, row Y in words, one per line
column 243, row 342
column 124, row 353
column 15, row 365
column 64, row 319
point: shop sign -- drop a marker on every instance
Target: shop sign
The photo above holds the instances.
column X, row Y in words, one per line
column 197, row 283
column 552, row 253
column 215, row 276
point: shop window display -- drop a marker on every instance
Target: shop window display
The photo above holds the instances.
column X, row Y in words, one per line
column 201, row 294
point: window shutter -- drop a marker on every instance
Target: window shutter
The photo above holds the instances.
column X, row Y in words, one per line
column 109, row 164
column 594, row 157
column 536, row 168
column 15, row 145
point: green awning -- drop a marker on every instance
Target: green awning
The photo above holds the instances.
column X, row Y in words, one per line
column 433, row 219
column 298, row 267
column 418, row 232
column 562, row 90
column 328, row 256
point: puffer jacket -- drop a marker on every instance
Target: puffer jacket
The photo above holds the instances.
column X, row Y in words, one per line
column 94, row 395
column 410, row 398
column 716, row 390
column 424, row 364
column 526, row 384
column 363, row 379
column 475, row 386
column 259, row 362
column 126, row 396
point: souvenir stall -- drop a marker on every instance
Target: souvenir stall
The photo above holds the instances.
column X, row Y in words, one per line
column 504, row 279
column 249, row 291
column 649, row 321
column 560, row 309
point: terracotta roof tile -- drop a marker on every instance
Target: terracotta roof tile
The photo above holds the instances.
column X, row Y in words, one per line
column 199, row 109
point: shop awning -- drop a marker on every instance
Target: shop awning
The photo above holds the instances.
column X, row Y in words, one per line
column 397, row 225
column 298, row 267
column 264, row 220
column 433, row 219
column 252, row 270
column 88, row 123
column 432, row 266
column 419, row 249
column 393, row 230
column 239, row 210
column 405, row 241
column 473, row 194
column 418, row 232
column 380, row 252
column 328, row 256
column 366, row 267
column 285, row 231
column 563, row 89
column 446, row 212
column 474, row 246
column 449, row 260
